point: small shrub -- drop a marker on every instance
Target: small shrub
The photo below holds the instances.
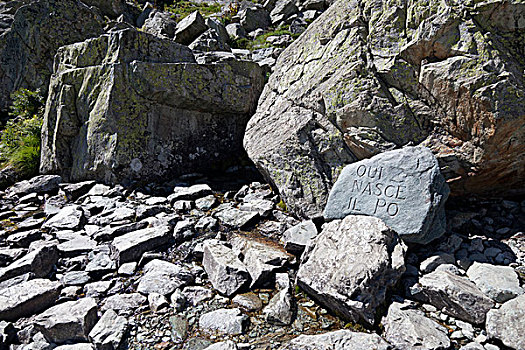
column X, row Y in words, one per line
column 20, row 139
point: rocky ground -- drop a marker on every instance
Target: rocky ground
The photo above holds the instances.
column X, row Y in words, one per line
column 186, row 264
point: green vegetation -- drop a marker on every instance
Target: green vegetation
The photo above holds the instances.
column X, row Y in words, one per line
column 183, row 8
column 20, row 139
column 260, row 41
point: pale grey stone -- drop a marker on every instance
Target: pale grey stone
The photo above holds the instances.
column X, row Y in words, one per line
column 500, row 283
column 127, row 269
column 506, row 323
column 338, row 340
column 77, row 246
column 157, row 302
column 190, row 193
column 282, row 10
column 406, row 328
column 206, row 203
column 351, row 266
column 280, row 309
column 454, row 295
column 131, row 246
column 404, row 188
column 109, row 331
column 124, row 304
column 77, row 346
column 97, row 289
column 432, row 262
column 226, row 272
column 69, row 321
column 163, row 277
column 472, row 346
column 296, row 238
column 223, row 345
column 39, row 184
column 227, row 321
column 248, row 301
column 161, row 24
column 195, row 295
column 71, row 217
column 75, row 278
column 236, row 218
column 27, row 298
column 261, row 258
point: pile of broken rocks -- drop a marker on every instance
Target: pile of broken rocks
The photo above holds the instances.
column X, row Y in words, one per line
column 198, row 264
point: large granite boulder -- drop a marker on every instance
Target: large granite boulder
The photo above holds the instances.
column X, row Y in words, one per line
column 128, row 105
column 28, row 45
column 352, row 265
column 404, row 188
column 370, row 76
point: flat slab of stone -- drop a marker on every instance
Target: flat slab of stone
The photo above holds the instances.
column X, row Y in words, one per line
column 38, row 184
column 500, row 283
column 338, row 340
column 227, row 321
column 163, row 278
column 404, row 188
column 124, row 304
column 455, row 295
column 131, row 246
column 189, row 193
column 237, row 218
column 507, row 323
column 410, row 329
column 352, row 265
column 225, row 271
column 69, row 321
column 27, row 298
column 39, row 262
column 68, row 218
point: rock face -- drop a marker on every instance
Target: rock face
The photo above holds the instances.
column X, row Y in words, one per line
column 352, row 265
column 338, row 340
column 144, row 109
column 27, row 48
column 404, row 188
column 365, row 78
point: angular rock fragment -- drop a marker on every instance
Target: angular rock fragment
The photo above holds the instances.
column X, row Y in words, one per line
column 190, row 28
column 404, row 188
column 226, row 272
column 352, row 265
column 163, row 278
column 190, row 193
column 227, row 321
column 280, row 309
column 27, row 298
column 338, row 340
column 260, row 258
column 131, row 246
column 223, row 345
column 39, row 262
column 406, row 328
column 500, row 283
column 39, row 184
column 69, row 218
column 296, row 238
column 124, row 304
column 236, row 218
column 454, row 295
column 69, row 321
column 506, row 323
